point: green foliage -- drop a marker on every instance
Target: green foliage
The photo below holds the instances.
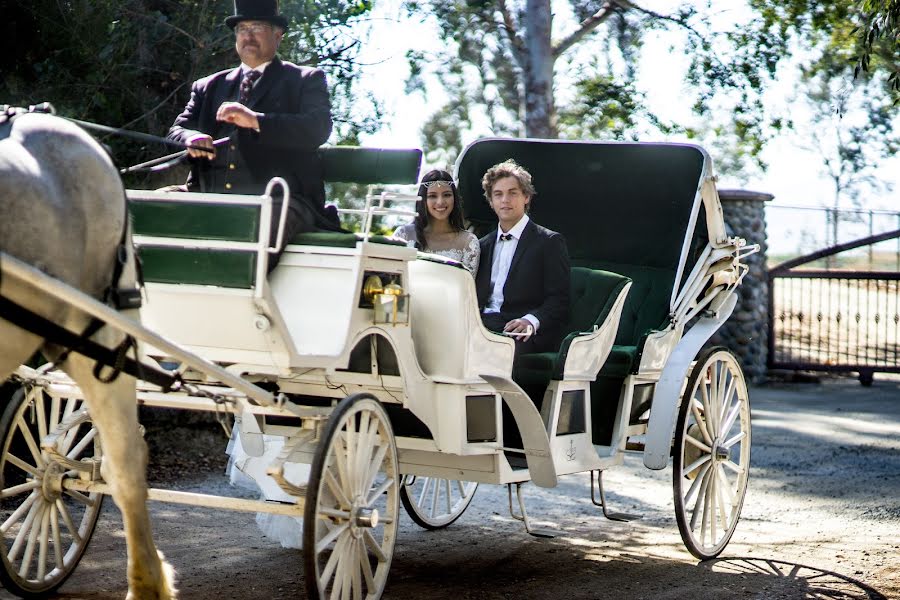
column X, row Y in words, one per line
column 130, row 63
column 878, row 37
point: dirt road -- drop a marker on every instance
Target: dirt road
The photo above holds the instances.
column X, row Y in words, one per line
column 821, row 520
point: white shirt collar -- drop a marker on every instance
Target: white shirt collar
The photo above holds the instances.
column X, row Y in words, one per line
column 516, row 230
column 261, row 68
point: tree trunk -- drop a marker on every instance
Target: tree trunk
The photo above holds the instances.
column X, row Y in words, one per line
column 540, row 113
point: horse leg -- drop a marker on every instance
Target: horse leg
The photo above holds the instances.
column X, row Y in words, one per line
column 113, row 409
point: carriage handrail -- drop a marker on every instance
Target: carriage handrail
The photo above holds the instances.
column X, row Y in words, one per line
column 371, row 210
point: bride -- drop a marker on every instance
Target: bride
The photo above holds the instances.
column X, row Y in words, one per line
column 438, row 227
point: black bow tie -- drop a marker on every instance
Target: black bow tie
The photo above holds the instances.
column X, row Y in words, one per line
column 505, row 237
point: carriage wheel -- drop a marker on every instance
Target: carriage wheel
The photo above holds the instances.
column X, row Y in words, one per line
column 711, row 453
column 435, row 503
column 45, row 529
column 352, row 503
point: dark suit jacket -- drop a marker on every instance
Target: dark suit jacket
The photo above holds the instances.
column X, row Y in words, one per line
column 538, row 280
column 296, row 120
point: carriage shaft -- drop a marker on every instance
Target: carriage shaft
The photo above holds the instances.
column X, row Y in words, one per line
column 194, row 499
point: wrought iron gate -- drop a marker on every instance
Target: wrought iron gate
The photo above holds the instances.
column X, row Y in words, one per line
column 830, row 320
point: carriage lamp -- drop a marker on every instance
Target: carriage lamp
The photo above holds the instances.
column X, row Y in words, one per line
column 390, row 303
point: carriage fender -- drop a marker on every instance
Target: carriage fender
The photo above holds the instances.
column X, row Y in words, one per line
column 664, row 409
column 531, row 426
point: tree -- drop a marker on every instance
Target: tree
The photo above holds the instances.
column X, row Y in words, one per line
column 508, row 61
column 878, row 34
column 130, row 63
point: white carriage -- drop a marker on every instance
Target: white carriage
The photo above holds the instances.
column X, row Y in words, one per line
column 359, row 373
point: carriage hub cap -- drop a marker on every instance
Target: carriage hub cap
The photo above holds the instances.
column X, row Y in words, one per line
column 719, row 452
column 366, row 517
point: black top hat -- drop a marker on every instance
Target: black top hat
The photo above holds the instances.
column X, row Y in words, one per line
column 256, row 10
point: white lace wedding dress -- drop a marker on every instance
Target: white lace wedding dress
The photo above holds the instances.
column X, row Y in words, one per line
column 464, row 248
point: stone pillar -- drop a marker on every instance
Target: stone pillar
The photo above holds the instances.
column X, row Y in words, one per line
column 746, row 332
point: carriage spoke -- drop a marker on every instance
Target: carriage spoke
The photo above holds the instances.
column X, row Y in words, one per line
column 79, row 448
column 700, row 461
column 17, row 514
column 385, row 486
column 80, row 497
column 366, row 567
column 713, row 496
column 697, row 443
column 709, row 421
column 423, row 494
column 449, row 494
column 331, row 563
column 374, row 467
column 724, row 389
column 40, row 417
column 29, row 546
column 42, row 550
column 701, row 422
column 27, row 524
column 21, row 464
column 336, row 490
column 57, row 538
column 18, row 489
column 706, row 500
column 334, row 513
column 733, row 466
column 723, row 478
column 730, row 419
column 436, row 497
column 734, row 440
column 341, row 460
column 363, row 440
column 461, row 488
column 351, row 448
column 67, row 519
column 355, row 570
column 724, row 515
column 697, row 481
column 374, row 547
column 54, row 412
column 331, row 536
column 29, row 440
column 704, row 485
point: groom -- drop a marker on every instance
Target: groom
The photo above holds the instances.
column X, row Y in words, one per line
column 523, row 274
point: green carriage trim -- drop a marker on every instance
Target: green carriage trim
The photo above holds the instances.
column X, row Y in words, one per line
column 341, row 240
column 196, row 220
column 223, row 268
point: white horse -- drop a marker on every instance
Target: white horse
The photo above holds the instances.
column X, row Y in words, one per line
column 62, row 210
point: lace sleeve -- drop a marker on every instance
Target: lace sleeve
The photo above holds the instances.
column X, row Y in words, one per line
column 471, row 255
column 405, row 232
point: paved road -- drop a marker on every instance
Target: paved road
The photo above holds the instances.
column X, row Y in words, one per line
column 821, row 520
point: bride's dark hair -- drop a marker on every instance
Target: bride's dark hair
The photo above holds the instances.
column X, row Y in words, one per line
column 422, row 216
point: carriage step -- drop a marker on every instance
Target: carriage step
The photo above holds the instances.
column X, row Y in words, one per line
column 535, row 531
column 612, row 516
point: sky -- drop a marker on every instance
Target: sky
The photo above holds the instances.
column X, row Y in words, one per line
column 794, row 175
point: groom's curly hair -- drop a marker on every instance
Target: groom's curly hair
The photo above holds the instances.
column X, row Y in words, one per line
column 508, row 168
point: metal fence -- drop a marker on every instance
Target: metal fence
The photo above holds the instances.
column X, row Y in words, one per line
column 835, row 320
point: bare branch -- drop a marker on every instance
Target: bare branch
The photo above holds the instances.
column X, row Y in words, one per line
column 628, row 5
column 584, row 28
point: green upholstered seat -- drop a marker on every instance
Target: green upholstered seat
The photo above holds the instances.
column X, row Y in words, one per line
column 592, row 296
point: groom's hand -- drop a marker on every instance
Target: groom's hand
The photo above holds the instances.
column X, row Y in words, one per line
column 519, row 326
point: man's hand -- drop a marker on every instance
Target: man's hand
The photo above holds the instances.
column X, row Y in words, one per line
column 201, row 139
column 519, row 326
column 238, row 114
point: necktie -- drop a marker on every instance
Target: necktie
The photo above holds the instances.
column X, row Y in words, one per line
column 247, row 85
column 505, row 237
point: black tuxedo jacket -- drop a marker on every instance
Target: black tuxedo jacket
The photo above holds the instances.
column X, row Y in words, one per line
column 538, row 280
column 296, row 120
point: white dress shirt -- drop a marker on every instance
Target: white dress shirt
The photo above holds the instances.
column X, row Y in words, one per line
column 504, row 250
column 261, row 68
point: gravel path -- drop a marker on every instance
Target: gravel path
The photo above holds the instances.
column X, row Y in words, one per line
column 821, row 520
